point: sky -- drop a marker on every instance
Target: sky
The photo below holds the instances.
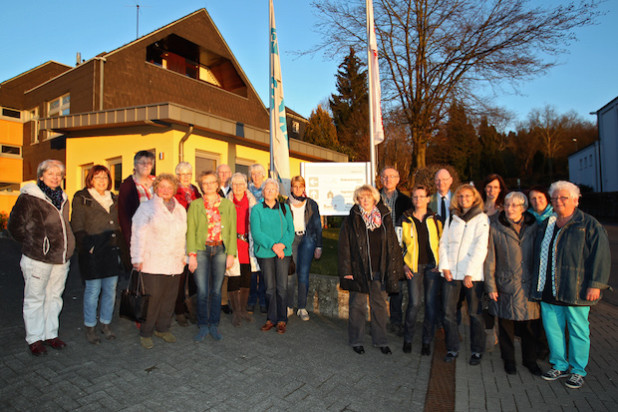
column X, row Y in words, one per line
column 584, row 81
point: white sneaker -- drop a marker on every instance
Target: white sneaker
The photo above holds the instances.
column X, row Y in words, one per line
column 302, row 313
column 290, row 311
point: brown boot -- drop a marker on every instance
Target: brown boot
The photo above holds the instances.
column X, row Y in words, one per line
column 234, row 300
column 91, row 335
column 105, row 330
column 244, row 298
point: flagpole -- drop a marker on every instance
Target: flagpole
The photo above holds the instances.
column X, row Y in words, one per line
column 372, row 150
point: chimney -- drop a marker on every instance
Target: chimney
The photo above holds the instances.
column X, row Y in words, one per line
column 78, row 59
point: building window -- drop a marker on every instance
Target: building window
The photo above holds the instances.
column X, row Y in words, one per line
column 13, row 114
column 205, row 161
column 242, row 166
column 33, row 117
column 581, row 164
column 295, row 127
column 115, row 169
column 590, row 160
column 84, row 172
column 11, row 150
column 60, row 106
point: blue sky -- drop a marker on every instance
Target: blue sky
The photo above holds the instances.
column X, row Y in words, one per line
column 41, row 30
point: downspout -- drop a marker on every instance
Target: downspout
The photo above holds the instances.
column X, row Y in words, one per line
column 181, row 144
column 101, row 80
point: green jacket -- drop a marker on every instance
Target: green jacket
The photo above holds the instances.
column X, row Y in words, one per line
column 197, row 226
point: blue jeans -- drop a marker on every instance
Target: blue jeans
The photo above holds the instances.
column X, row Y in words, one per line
column 434, row 310
column 303, row 249
column 275, row 273
column 415, row 287
column 106, row 288
column 209, row 279
column 257, row 292
column 395, row 303
column 473, row 295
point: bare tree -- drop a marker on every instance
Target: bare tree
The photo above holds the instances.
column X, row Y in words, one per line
column 434, row 51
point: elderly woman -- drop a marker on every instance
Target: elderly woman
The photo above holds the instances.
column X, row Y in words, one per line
column 97, row 232
column 540, row 207
column 370, row 263
column 420, row 235
column 238, row 284
column 211, row 244
column 272, row 229
column 494, row 190
column 257, row 293
column 185, row 194
column 40, row 222
column 571, row 267
column 463, row 248
column 307, row 243
column 508, row 272
column 158, row 251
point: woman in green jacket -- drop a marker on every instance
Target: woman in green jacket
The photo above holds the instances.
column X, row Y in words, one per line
column 211, row 245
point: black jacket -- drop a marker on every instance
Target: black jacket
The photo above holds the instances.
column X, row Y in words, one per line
column 402, row 203
column 354, row 256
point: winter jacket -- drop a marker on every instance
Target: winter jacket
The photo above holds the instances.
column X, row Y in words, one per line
column 354, row 255
column 508, row 268
column 43, row 231
column 158, row 237
column 402, row 203
column 313, row 224
column 98, row 237
column 197, row 226
column 270, row 226
column 128, row 202
column 463, row 245
column 583, row 260
column 409, row 237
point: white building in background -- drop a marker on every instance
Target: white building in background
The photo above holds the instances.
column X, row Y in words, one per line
column 596, row 165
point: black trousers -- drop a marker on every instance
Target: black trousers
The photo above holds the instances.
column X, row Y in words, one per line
column 507, row 329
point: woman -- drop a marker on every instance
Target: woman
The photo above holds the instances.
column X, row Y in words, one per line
column 238, row 286
column 272, row 230
column 97, row 232
column 158, row 251
column 40, row 222
column 508, row 272
column 257, row 293
column 572, row 265
column 211, row 244
column 463, row 248
column 307, row 243
column 370, row 263
column 494, row 190
column 185, row 194
column 420, row 235
column 540, row 207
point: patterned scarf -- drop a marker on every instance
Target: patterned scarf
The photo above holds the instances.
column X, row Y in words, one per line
column 372, row 219
column 545, row 245
column 54, row 195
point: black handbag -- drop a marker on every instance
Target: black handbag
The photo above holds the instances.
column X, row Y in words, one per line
column 134, row 300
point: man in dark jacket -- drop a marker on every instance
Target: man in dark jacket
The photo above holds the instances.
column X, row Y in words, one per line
column 397, row 203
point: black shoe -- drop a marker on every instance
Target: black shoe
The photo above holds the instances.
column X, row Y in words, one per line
column 407, row 347
column 450, row 357
column 386, row 350
column 510, row 368
column 263, row 309
column 534, row 369
column 358, row 349
column 426, row 349
column 226, row 309
column 475, row 359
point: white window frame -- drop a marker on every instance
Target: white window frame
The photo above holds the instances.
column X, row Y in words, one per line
column 63, row 108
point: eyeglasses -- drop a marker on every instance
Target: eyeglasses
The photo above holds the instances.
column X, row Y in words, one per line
column 142, row 163
column 418, row 197
column 561, row 198
column 104, row 177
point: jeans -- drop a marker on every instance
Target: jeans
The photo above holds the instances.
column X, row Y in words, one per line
column 257, row 291
column 303, row 249
column 575, row 318
column 106, row 289
column 209, row 280
column 415, row 287
column 434, row 310
column 358, row 315
column 395, row 305
column 473, row 295
column 275, row 273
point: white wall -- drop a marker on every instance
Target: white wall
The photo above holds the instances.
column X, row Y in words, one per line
column 607, row 118
column 584, row 166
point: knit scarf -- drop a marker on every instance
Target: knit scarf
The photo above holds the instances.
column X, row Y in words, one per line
column 545, row 245
column 104, row 199
column 297, row 201
column 372, row 219
column 54, row 195
column 541, row 217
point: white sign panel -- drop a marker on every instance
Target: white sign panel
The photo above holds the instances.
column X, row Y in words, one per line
column 332, row 185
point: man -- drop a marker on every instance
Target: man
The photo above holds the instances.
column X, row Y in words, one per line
column 225, row 173
column 397, row 203
column 572, row 265
column 442, row 199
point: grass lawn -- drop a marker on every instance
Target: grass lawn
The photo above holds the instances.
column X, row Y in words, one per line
column 327, row 265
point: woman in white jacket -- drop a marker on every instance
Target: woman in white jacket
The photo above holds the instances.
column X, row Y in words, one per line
column 463, row 247
column 158, row 238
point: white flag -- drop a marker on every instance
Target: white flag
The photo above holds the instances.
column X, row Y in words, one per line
column 279, row 147
column 375, row 95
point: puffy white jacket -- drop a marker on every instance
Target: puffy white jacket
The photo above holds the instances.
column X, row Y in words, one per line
column 158, row 237
column 463, row 247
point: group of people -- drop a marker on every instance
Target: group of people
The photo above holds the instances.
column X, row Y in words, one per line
column 173, row 238
column 538, row 262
